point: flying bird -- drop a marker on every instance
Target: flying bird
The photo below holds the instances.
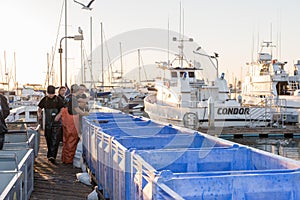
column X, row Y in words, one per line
column 87, row 7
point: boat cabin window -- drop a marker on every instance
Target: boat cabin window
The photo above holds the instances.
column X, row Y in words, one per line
column 174, row 74
column 183, row 75
column 276, row 69
column 22, row 115
column 282, row 88
column 32, row 114
column 191, row 74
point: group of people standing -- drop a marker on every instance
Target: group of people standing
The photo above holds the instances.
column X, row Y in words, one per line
column 62, row 120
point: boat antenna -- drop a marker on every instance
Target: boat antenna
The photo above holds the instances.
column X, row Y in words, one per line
column 271, row 39
column 279, row 36
column 168, row 42
column 257, row 44
column 179, row 20
column 180, row 38
column 252, row 50
column 182, row 22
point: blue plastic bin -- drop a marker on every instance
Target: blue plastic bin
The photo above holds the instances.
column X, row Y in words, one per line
column 114, row 157
column 10, row 185
column 250, row 186
column 211, row 173
column 22, row 160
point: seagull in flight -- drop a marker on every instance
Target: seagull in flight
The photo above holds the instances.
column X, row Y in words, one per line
column 87, row 7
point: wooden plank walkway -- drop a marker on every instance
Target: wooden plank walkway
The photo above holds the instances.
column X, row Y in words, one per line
column 56, row 181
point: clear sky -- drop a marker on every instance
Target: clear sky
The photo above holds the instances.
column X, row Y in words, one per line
column 229, row 27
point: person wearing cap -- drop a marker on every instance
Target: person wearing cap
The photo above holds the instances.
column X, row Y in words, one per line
column 70, row 122
column 52, row 106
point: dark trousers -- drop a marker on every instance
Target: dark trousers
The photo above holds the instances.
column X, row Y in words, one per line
column 1, row 141
column 53, row 135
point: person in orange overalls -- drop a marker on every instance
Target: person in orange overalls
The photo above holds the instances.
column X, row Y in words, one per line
column 70, row 122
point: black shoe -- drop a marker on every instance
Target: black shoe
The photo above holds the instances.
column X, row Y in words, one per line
column 52, row 160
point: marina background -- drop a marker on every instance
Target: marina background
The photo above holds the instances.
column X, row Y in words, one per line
column 231, row 28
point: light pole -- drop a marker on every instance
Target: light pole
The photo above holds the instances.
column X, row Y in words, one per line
column 80, row 31
column 216, row 66
column 60, row 50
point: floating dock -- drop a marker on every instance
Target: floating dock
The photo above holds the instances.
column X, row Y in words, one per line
column 289, row 131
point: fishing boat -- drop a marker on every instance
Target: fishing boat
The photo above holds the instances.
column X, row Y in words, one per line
column 25, row 113
column 267, row 80
column 27, row 96
column 184, row 98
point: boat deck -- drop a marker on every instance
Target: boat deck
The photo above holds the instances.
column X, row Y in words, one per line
column 56, row 181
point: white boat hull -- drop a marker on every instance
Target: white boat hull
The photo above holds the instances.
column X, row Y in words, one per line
column 196, row 117
column 288, row 105
column 23, row 114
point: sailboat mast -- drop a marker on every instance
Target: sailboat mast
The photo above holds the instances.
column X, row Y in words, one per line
column 102, row 63
column 121, row 60
column 91, row 49
column 271, row 39
column 66, row 43
column 6, row 73
column 139, row 64
column 15, row 71
column 180, row 39
column 48, row 71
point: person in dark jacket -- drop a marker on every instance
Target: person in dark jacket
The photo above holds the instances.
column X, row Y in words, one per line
column 4, row 112
column 52, row 106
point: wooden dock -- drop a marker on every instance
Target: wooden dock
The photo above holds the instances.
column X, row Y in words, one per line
column 56, row 181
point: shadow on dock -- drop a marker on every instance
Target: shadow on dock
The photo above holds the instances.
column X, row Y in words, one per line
column 56, row 181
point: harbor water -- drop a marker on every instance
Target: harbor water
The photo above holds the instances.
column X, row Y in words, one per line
column 287, row 147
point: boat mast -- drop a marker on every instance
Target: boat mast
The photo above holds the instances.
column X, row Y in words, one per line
column 91, row 50
column 139, row 64
column 121, row 60
column 271, row 39
column 48, row 71
column 6, row 72
column 102, row 63
column 181, row 43
column 66, row 43
column 15, row 71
